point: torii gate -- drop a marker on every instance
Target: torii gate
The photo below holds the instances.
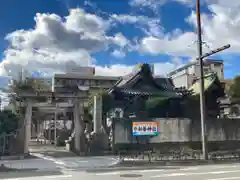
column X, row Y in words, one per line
column 77, row 99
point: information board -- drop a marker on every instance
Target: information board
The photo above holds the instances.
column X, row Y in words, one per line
column 145, row 128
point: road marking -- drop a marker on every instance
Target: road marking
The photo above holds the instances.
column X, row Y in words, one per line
column 55, row 177
column 49, row 159
column 226, row 178
column 129, row 171
column 148, row 170
column 208, row 167
column 192, row 174
column 38, row 177
column 108, row 173
column 189, row 168
column 171, row 170
column 82, row 161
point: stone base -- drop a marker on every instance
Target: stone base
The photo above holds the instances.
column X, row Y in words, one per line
column 70, row 146
column 99, row 143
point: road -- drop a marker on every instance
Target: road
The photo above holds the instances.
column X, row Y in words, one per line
column 207, row 172
column 50, row 163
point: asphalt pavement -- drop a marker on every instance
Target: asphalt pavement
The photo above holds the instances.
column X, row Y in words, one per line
column 50, row 164
column 203, row 172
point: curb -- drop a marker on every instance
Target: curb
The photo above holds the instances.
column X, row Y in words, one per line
column 130, row 165
column 17, row 157
column 124, row 168
column 177, row 163
column 7, row 169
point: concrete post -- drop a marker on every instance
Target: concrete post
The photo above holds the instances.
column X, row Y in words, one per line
column 28, row 122
column 78, row 111
column 97, row 114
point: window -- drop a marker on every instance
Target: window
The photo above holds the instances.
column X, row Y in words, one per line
column 97, row 82
column 206, row 70
column 86, row 82
column 79, row 82
column 92, row 82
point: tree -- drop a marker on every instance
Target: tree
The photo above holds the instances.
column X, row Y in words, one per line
column 107, row 104
column 8, row 122
column 234, row 90
column 28, row 85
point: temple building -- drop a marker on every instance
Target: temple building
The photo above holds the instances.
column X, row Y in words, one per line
column 132, row 91
column 213, row 90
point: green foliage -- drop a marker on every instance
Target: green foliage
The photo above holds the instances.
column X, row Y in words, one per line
column 8, row 122
column 234, row 90
column 153, row 102
column 18, row 86
column 154, row 106
column 107, row 101
column 28, row 85
column 87, row 114
column 191, row 106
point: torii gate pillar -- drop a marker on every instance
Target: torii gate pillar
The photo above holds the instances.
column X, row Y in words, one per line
column 27, row 126
column 78, row 127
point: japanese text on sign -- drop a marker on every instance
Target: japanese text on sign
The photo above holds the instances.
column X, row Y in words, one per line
column 145, row 128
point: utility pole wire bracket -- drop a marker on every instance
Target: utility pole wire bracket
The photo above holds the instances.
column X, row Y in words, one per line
column 215, row 51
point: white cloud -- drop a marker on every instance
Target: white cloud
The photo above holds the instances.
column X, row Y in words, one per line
column 154, row 4
column 150, row 26
column 177, row 61
column 113, row 70
column 177, row 46
column 222, row 26
column 120, row 40
column 55, row 40
column 118, row 54
column 163, row 68
column 119, row 69
column 219, row 28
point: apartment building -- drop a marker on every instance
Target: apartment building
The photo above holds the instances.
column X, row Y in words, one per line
column 184, row 76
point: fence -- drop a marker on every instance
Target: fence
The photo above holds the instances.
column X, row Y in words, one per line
column 222, row 134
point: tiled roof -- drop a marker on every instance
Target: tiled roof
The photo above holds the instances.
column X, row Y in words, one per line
column 149, row 85
column 208, row 81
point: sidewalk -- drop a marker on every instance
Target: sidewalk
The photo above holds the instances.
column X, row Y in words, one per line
column 17, row 157
column 48, row 163
column 4, row 168
column 141, row 162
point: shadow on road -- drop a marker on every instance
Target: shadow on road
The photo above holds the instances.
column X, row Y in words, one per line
column 50, row 150
column 27, row 173
column 127, row 168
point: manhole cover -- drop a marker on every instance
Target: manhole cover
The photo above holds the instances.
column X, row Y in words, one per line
column 131, row 175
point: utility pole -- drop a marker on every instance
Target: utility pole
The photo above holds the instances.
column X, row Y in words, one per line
column 202, row 97
column 1, row 103
column 55, row 126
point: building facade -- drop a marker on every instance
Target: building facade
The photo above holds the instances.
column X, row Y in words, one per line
column 62, row 81
column 184, row 76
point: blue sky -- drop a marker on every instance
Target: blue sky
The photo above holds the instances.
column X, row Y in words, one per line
column 115, row 35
